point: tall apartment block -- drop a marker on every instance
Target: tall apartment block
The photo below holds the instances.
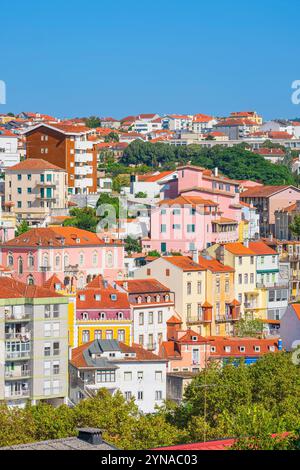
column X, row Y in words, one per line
column 34, row 344
column 70, row 147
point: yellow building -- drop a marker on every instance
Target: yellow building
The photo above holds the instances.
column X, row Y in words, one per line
column 243, row 260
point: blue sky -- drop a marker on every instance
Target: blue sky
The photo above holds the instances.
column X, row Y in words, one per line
column 74, row 58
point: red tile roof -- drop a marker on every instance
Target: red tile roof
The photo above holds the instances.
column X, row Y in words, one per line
column 264, row 191
column 86, row 299
column 193, row 201
column 238, row 248
column 235, row 343
column 140, row 286
column 184, row 263
column 260, row 248
column 53, row 282
column 268, row 152
column 35, row 164
column 53, row 236
column 11, row 288
column 214, row 265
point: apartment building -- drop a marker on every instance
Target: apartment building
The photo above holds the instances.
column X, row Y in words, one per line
column 75, row 255
column 9, row 154
column 186, row 278
column 242, row 259
column 69, row 147
column 132, row 370
column 268, row 200
column 201, row 202
column 35, row 188
column 151, row 305
column 102, row 312
column 273, row 288
column 34, row 340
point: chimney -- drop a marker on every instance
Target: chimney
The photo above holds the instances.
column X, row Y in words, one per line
column 216, row 171
column 91, row 435
column 246, row 242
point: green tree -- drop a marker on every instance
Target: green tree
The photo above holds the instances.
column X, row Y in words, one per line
column 112, row 137
column 154, row 253
column 295, row 226
column 93, row 122
column 248, row 327
column 132, row 245
column 52, row 423
column 120, row 181
column 84, row 219
column 23, row 227
column 16, row 426
column 141, row 195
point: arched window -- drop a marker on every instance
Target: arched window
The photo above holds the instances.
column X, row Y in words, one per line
column 57, row 261
column 81, row 259
column 120, row 315
column 66, row 260
column 30, row 280
column 102, row 315
column 95, row 258
column 85, row 316
column 148, row 299
column 20, row 266
column 139, row 300
column 30, row 261
column 10, row 259
column 109, row 259
column 45, row 260
column 167, row 298
column 158, row 298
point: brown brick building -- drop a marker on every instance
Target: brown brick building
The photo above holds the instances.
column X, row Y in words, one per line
column 69, row 147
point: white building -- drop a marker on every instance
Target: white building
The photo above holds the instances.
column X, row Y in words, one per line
column 150, row 184
column 9, row 154
column 152, row 304
column 177, row 122
column 290, row 327
column 135, row 372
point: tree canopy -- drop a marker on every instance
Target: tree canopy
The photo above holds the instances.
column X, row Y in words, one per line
column 85, row 219
column 234, row 162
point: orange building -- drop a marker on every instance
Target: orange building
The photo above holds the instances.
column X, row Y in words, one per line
column 69, row 147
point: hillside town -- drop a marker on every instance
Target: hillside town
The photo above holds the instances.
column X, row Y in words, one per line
column 133, row 257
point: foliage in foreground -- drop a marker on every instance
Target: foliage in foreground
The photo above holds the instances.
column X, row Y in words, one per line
column 249, row 403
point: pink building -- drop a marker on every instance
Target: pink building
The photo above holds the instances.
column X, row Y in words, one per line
column 75, row 255
column 205, row 210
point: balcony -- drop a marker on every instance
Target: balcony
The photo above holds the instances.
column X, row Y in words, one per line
column 12, row 355
column 46, row 198
column 18, row 336
column 47, row 184
column 71, row 268
column 12, row 317
column 17, row 394
column 250, row 305
column 17, row 374
column 194, row 320
column 83, row 157
column 45, row 269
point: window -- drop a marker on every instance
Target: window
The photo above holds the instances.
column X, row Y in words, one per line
column 190, row 228
column 30, row 260
column 140, row 395
column 109, row 334
column 240, row 279
column 227, row 349
column 47, row 387
column 257, row 348
column 19, row 177
column 95, row 259
column 158, row 395
column 150, row 318
column 218, row 285
column 47, row 349
column 127, row 376
column 141, row 318
column 105, row 376
column 121, row 335
column 176, row 211
column 240, row 260
column 271, row 296
column 20, row 265
column 98, row 334
column 188, row 310
column 163, row 228
column 262, row 260
column 47, row 311
column 56, row 351
column 158, row 376
column 252, row 278
column 252, row 259
column 57, row 261
column 246, row 278
column 176, row 226
column 56, row 368
column 55, row 311
column 160, row 316
column 141, row 340
column 189, row 288
column 227, row 286
column 167, row 272
column 47, row 329
column 47, row 368
column 199, row 287
column 140, row 375
column 10, row 259
column 19, row 204
column 242, row 348
column 19, row 190
column 81, row 259
column 148, row 272
column 109, row 259
column 128, row 396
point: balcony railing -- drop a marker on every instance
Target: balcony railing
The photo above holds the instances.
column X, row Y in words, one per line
column 17, row 317
column 195, row 319
column 17, row 354
column 45, row 269
column 71, row 268
column 17, row 394
column 17, row 373
column 14, row 335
